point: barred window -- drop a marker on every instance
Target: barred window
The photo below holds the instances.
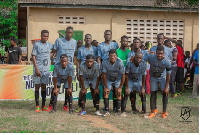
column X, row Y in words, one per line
column 71, row 20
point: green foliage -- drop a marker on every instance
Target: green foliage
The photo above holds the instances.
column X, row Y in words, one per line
column 8, row 21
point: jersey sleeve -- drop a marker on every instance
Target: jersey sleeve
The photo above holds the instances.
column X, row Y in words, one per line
column 34, row 51
column 51, row 46
column 20, row 51
column 116, row 46
column 97, row 70
column 98, row 51
column 147, row 57
column 71, row 70
column 56, row 44
column 79, row 54
column 55, row 71
column 122, row 71
column 81, row 70
column 144, row 68
column 168, row 68
column 127, row 70
column 104, row 70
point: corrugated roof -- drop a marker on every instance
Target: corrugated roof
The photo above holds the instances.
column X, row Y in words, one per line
column 94, row 2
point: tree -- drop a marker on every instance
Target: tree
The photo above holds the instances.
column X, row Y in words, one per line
column 8, row 21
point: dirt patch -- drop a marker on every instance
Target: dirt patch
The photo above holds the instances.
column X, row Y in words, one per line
column 98, row 122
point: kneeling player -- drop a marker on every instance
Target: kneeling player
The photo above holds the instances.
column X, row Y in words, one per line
column 159, row 66
column 113, row 75
column 135, row 81
column 89, row 77
column 62, row 73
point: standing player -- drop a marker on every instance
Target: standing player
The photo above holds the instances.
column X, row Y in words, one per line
column 160, row 65
column 135, row 80
column 104, row 47
column 41, row 61
column 89, row 77
column 122, row 53
column 62, row 73
column 160, row 41
column 66, row 45
column 82, row 53
column 113, row 75
column 136, row 48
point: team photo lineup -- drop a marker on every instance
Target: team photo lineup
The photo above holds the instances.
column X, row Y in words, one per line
column 126, row 72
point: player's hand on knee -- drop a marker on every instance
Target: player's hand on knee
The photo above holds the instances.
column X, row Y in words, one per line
column 78, row 77
column 69, row 91
column 83, row 92
column 38, row 73
column 118, row 91
column 96, row 91
column 166, row 91
column 55, row 91
column 142, row 92
column 106, row 91
column 127, row 92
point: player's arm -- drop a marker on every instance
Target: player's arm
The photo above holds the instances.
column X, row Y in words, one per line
column 77, row 69
column 171, row 39
column 143, row 84
column 195, row 59
column 56, row 90
column 99, row 61
column 105, row 79
column 168, row 71
column 82, row 82
column 122, row 71
column 122, row 81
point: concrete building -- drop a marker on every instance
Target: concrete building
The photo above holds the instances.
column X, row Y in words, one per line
column 135, row 18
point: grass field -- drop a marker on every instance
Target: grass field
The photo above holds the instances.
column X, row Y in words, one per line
column 19, row 116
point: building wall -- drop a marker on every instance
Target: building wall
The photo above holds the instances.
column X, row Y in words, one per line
column 98, row 20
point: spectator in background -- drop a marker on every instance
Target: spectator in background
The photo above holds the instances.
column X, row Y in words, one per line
column 95, row 43
column 142, row 47
column 187, row 58
column 14, row 53
column 196, row 73
column 192, row 66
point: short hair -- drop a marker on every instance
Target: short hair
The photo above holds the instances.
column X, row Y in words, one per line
column 62, row 56
column 89, row 56
column 14, row 40
column 44, row 31
column 137, row 39
column 142, row 46
column 187, row 52
column 108, row 31
column 137, row 53
column 112, row 51
column 88, row 35
column 69, row 27
column 166, row 41
column 131, row 44
column 160, row 34
column 160, row 48
column 124, row 36
column 80, row 39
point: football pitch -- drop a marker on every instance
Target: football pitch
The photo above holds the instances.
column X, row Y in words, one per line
column 20, row 117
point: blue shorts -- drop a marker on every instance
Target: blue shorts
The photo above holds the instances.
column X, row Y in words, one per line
column 154, row 83
column 43, row 79
column 88, row 83
column 116, row 83
column 134, row 86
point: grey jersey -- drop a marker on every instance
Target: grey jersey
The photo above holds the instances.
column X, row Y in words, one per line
column 158, row 68
column 62, row 74
column 113, row 71
column 42, row 53
column 65, row 47
column 135, row 73
column 89, row 74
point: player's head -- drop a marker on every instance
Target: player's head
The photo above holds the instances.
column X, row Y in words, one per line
column 95, row 43
column 198, row 46
column 137, row 43
column 107, row 35
column 88, row 39
column 79, row 43
column 160, row 52
column 69, row 32
column 44, row 35
column 112, row 55
column 124, row 41
column 168, row 43
column 147, row 45
column 63, row 60
column 89, row 60
column 187, row 54
column 142, row 47
column 132, row 47
column 138, row 57
column 160, row 39
column 13, row 41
